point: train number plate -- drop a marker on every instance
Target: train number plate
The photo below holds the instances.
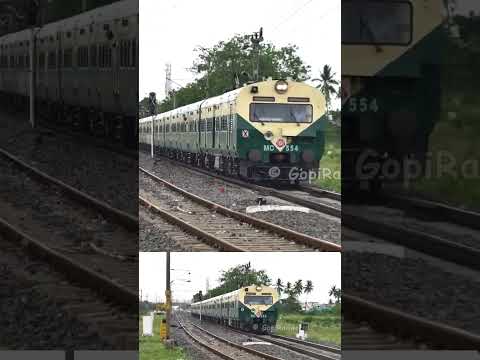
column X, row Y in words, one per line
column 362, row 104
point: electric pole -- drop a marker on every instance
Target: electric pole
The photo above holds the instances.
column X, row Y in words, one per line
column 153, row 110
column 168, row 296
column 256, row 39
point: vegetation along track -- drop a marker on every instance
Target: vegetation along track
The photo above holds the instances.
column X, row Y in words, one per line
column 370, row 326
column 323, row 201
column 222, row 227
column 95, row 245
column 221, row 346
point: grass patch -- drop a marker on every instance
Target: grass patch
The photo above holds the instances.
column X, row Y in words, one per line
column 152, row 348
column 456, row 140
column 324, row 328
column 330, row 164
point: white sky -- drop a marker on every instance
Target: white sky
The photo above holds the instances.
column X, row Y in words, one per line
column 324, row 269
column 171, row 29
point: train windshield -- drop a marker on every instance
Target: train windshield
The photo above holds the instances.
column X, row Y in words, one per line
column 374, row 22
column 285, row 113
column 258, row 300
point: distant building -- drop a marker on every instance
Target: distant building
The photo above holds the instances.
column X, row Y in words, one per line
column 308, row 306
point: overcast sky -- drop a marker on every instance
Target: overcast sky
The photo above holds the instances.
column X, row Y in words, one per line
column 171, row 29
column 322, row 268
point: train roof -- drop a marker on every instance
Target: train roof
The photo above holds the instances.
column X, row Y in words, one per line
column 232, row 293
column 98, row 15
column 220, row 99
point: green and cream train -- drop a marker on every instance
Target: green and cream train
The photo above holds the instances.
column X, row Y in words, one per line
column 391, row 87
column 269, row 130
column 252, row 308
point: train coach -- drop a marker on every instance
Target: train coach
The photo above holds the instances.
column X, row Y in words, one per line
column 86, row 69
column 391, row 88
column 252, row 308
column 269, row 130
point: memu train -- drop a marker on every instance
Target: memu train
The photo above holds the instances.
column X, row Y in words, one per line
column 86, row 71
column 251, row 308
column 391, row 84
column 269, row 130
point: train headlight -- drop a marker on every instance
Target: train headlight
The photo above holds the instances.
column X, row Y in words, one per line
column 259, row 288
column 268, row 135
column 281, row 86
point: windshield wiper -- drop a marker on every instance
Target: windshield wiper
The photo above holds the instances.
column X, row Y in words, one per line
column 366, row 25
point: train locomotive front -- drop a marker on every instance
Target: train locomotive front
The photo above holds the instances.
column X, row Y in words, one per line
column 271, row 130
column 252, row 308
column 391, row 89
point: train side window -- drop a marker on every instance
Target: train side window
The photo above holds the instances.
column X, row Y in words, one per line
column 93, row 55
column 82, row 56
column 105, row 56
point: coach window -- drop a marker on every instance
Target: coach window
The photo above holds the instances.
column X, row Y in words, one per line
column 82, row 56
column 93, row 55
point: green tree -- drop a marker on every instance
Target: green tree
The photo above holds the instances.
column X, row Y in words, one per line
column 336, row 293
column 327, row 84
column 229, row 64
column 237, row 277
column 298, row 288
column 308, row 288
column 288, row 289
column 279, row 286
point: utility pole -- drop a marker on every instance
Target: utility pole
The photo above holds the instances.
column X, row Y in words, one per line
column 256, row 39
column 168, row 296
column 153, row 110
column 32, row 20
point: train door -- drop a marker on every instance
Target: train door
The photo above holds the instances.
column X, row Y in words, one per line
column 214, row 120
column 228, row 130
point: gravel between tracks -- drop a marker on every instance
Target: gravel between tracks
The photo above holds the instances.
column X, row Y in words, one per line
column 43, row 212
column 239, row 338
column 32, row 319
column 237, row 198
column 106, row 175
column 414, row 286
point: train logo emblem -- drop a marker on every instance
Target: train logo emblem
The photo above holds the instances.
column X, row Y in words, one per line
column 245, row 134
column 280, row 143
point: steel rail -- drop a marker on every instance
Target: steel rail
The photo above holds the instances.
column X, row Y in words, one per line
column 414, row 239
column 313, row 242
column 396, row 321
column 324, row 208
column 129, row 221
column 75, row 271
column 211, row 240
column 332, row 349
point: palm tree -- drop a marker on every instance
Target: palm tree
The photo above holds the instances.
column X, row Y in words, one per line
column 279, row 285
column 288, row 289
column 327, row 84
column 298, row 287
column 307, row 289
column 338, row 296
column 333, row 291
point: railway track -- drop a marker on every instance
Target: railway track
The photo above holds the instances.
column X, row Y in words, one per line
column 317, row 351
column 323, row 201
column 370, row 326
column 93, row 245
column 219, row 226
column 221, row 346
